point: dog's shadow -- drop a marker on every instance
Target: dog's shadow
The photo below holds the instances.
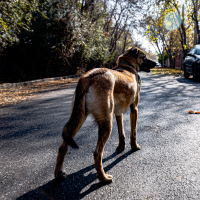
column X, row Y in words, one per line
column 72, row 186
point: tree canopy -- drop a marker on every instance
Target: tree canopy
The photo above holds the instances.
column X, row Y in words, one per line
column 61, row 37
column 173, row 26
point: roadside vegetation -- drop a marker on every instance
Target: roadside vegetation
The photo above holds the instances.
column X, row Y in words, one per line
column 44, row 38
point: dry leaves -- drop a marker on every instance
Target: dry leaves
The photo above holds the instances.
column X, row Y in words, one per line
column 23, row 93
column 192, row 112
column 166, row 71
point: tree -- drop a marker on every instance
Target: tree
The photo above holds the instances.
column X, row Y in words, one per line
column 15, row 16
column 171, row 27
column 156, row 31
column 194, row 15
column 185, row 21
column 120, row 22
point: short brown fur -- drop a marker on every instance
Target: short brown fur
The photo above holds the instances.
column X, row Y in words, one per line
column 104, row 92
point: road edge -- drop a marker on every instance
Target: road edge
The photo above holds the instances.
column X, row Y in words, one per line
column 11, row 85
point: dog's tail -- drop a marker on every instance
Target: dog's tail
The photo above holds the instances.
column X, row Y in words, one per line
column 78, row 114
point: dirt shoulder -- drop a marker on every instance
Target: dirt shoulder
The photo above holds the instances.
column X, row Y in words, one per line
column 18, row 94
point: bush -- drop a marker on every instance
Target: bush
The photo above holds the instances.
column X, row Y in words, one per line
column 160, row 57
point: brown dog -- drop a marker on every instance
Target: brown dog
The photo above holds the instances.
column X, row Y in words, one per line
column 104, row 92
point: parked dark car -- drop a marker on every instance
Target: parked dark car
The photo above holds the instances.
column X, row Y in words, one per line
column 158, row 64
column 192, row 63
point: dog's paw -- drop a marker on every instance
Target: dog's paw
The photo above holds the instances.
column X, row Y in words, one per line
column 106, row 179
column 120, row 148
column 60, row 175
column 135, row 147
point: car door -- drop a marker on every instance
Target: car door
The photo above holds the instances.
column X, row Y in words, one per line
column 190, row 60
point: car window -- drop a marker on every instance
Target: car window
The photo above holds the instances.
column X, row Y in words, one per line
column 192, row 50
column 198, row 52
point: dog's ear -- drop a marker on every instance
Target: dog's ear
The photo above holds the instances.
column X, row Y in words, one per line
column 134, row 52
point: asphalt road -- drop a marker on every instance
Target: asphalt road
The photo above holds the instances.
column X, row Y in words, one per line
column 166, row 167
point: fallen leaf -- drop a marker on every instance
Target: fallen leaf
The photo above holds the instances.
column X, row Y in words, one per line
column 191, row 112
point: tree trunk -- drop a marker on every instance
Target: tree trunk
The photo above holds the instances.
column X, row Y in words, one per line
column 124, row 43
column 195, row 22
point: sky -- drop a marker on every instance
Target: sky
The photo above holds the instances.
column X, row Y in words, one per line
column 145, row 43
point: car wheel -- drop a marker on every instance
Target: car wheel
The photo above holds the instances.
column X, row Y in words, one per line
column 195, row 74
column 186, row 75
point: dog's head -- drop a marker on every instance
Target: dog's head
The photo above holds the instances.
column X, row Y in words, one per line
column 136, row 53
column 134, row 56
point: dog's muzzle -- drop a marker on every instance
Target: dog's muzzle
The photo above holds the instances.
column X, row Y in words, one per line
column 145, row 60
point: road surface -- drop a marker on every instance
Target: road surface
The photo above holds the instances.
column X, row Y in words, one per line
column 166, row 167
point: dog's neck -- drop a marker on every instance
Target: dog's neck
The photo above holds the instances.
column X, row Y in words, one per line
column 130, row 68
column 130, row 61
column 127, row 63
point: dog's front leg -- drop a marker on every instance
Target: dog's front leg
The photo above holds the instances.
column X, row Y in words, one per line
column 133, row 121
column 122, row 144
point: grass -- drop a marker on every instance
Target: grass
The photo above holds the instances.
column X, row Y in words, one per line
column 166, row 71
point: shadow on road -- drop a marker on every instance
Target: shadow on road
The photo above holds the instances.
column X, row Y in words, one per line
column 188, row 81
column 72, row 187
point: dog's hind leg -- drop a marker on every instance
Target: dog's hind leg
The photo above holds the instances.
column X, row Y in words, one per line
column 122, row 144
column 69, row 132
column 60, row 159
column 105, row 129
column 103, row 115
column 133, row 121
